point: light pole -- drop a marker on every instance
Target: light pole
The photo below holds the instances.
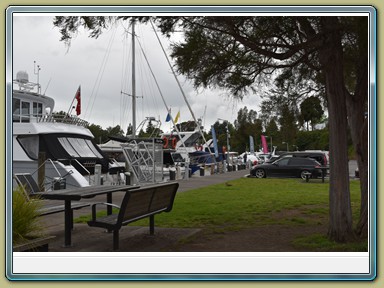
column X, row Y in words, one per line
column 287, row 145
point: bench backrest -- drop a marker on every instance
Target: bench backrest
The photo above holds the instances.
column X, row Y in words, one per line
column 147, row 200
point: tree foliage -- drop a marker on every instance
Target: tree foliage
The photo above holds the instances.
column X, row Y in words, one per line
column 222, row 130
column 288, row 125
column 311, row 110
column 246, row 124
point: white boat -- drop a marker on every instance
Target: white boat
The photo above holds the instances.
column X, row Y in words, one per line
column 63, row 143
column 183, row 145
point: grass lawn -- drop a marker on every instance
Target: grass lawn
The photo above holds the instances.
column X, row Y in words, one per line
column 249, row 202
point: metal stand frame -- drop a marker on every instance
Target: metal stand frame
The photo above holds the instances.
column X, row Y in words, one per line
column 145, row 159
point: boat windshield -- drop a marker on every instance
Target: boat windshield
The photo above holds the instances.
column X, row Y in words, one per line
column 191, row 140
column 79, row 147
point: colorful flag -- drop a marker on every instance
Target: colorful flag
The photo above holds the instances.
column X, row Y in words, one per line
column 78, row 98
column 177, row 117
column 214, row 141
column 251, row 144
column 168, row 118
column 264, row 144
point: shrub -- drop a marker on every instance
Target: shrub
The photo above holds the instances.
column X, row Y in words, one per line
column 25, row 217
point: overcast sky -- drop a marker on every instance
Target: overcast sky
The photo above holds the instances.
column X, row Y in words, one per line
column 103, row 69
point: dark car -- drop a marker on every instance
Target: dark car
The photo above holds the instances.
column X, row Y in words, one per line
column 288, row 167
column 320, row 157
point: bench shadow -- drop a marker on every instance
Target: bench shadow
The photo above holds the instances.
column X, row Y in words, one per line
column 132, row 239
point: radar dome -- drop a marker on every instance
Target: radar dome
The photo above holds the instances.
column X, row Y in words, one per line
column 22, row 77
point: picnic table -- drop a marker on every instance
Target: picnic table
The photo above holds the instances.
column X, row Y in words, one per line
column 76, row 194
column 324, row 172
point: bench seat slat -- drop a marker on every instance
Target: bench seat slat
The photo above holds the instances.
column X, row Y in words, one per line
column 110, row 221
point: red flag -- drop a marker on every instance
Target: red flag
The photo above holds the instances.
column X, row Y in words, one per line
column 78, row 98
column 264, row 144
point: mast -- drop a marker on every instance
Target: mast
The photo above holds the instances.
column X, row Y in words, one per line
column 133, row 82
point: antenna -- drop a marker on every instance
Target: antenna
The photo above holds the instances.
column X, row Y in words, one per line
column 37, row 72
column 49, row 82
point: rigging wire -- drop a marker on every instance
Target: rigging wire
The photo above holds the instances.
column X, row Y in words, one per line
column 149, row 96
column 181, row 89
column 100, row 74
column 161, row 94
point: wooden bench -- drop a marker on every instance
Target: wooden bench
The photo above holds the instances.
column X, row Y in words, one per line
column 30, row 187
column 137, row 204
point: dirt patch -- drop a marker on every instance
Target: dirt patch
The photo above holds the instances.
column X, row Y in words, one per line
column 305, row 215
column 273, row 238
column 278, row 237
column 268, row 238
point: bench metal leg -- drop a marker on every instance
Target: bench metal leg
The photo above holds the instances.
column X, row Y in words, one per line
column 115, row 239
column 68, row 223
column 152, row 224
column 71, row 219
column 109, row 200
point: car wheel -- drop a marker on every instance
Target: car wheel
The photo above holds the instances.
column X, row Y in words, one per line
column 260, row 173
column 302, row 174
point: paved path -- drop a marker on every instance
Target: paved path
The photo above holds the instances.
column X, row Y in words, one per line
column 198, row 182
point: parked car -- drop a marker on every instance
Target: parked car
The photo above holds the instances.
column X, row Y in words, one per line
column 326, row 153
column 288, row 167
column 320, row 156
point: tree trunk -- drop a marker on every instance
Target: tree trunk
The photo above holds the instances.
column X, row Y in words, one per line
column 358, row 122
column 356, row 105
column 359, row 133
column 331, row 58
column 362, row 225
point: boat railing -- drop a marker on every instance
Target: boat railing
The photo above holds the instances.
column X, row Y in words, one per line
column 52, row 118
column 85, row 169
column 50, row 181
